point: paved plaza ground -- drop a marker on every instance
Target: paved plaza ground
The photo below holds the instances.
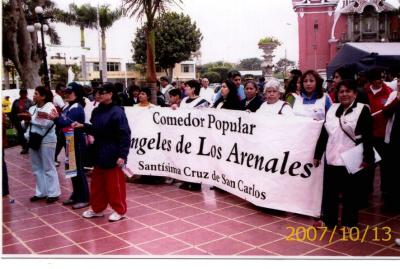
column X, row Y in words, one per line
column 165, row 220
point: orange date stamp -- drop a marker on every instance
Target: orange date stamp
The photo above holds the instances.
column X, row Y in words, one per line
column 354, row 234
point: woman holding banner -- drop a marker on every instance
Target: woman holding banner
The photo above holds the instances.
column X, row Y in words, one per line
column 272, row 105
column 312, row 102
column 74, row 112
column 348, row 123
column 144, row 99
column 112, row 138
column 192, row 100
column 229, row 98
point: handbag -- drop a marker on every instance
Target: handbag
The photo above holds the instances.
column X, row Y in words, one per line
column 353, row 157
column 35, row 139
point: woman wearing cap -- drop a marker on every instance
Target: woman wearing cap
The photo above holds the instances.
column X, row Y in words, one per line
column 43, row 166
column 112, row 137
column 347, row 123
column 74, row 112
column 312, row 102
column 272, row 105
column 144, row 99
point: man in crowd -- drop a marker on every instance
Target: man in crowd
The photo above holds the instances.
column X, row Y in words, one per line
column 236, row 78
column 20, row 105
column 58, row 102
column 205, row 91
column 165, row 87
column 378, row 93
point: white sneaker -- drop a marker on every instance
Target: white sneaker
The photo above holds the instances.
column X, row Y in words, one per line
column 91, row 214
column 115, row 217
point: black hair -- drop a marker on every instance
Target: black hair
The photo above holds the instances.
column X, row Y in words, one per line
column 233, row 73
column 175, row 92
column 147, row 91
column 344, row 73
column 119, row 87
column 164, row 79
column 23, row 91
column 194, row 84
column 296, row 72
column 251, row 82
column 350, row 84
column 318, row 88
column 291, row 86
column 232, row 101
column 374, row 74
column 59, row 86
column 133, row 88
column 79, row 93
column 44, row 91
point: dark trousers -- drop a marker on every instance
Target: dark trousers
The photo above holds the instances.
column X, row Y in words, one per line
column 392, row 177
column 80, row 187
column 380, row 147
column 5, row 190
column 337, row 181
column 60, row 142
column 20, row 135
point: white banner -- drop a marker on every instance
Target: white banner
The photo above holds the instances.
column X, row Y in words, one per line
column 262, row 159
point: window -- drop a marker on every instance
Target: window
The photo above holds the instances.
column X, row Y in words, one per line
column 112, row 66
column 187, row 68
column 96, row 67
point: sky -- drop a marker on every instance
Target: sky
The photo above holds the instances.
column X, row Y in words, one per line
column 231, row 29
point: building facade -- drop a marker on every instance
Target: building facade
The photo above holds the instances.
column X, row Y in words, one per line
column 325, row 25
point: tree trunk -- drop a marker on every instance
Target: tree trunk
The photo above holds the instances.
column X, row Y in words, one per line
column 169, row 72
column 104, row 54
column 6, row 76
column 151, row 75
column 82, row 36
column 21, row 46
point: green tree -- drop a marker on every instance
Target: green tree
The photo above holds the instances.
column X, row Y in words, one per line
column 213, row 77
column 283, row 65
column 219, row 67
column 20, row 46
column 177, row 38
column 107, row 18
column 149, row 9
column 250, row 64
column 59, row 73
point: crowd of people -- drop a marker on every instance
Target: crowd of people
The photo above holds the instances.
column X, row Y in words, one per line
column 354, row 110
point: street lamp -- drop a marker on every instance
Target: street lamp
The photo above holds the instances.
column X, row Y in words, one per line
column 42, row 25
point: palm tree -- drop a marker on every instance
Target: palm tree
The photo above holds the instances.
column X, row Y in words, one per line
column 107, row 18
column 84, row 16
column 149, row 9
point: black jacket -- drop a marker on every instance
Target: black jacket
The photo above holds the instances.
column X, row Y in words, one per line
column 254, row 104
column 112, row 135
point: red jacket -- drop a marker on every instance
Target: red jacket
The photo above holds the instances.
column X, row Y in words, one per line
column 377, row 102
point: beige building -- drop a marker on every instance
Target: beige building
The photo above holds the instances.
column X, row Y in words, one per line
column 119, row 70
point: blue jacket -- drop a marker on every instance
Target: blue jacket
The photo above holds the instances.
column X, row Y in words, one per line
column 112, row 135
column 70, row 114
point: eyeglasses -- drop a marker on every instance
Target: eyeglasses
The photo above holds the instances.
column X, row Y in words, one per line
column 102, row 93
